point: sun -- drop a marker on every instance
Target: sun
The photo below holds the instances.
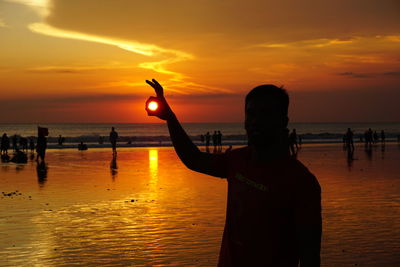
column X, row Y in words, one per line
column 153, row 105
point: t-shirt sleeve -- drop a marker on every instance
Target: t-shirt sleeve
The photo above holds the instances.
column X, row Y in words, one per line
column 308, row 220
column 308, row 200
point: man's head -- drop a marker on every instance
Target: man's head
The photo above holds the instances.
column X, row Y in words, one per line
column 266, row 115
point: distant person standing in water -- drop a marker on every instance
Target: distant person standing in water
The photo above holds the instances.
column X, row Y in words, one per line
column 31, row 145
column 41, row 143
column 208, row 137
column 113, row 139
column 349, row 140
column 383, row 137
column 215, row 140
column 376, row 137
column 202, row 139
column 14, row 142
column 61, row 140
column 368, row 137
column 273, row 215
column 219, row 140
column 5, row 144
column 293, row 142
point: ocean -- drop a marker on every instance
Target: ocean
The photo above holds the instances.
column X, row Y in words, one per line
column 149, row 134
column 145, row 208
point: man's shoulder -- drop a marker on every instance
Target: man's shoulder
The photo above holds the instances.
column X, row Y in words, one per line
column 302, row 174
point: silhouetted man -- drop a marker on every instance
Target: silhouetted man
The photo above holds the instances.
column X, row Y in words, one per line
column 31, row 145
column 41, row 143
column 215, row 140
column 219, row 140
column 113, row 139
column 349, row 140
column 208, row 137
column 5, row 144
column 273, row 213
column 383, row 137
column 14, row 142
column 61, row 140
column 293, row 142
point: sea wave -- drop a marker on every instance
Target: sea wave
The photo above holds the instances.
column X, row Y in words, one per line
column 163, row 140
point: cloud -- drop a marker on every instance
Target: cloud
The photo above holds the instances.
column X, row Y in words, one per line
column 369, row 75
column 312, row 43
column 392, row 73
column 167, row 56
column 356, row 75
column 286, row 20
column 62, row 101
column 136, row 47
column 54, row 70
column 42, row 7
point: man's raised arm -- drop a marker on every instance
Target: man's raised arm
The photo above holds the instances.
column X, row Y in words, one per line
column 187, row 151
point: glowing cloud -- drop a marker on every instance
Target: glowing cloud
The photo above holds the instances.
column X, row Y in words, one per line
column 314, row 43
column 42, row 7
column 135, row 47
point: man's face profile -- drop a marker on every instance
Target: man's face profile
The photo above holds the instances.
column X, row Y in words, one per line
column 264, row 121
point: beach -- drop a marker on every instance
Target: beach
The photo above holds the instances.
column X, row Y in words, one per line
column 146, row 209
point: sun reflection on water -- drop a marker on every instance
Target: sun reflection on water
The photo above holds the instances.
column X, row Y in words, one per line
column 153, row 165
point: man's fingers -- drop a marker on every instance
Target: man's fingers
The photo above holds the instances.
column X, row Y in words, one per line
column 157, row 87
column 155, row 82
column 150, row 83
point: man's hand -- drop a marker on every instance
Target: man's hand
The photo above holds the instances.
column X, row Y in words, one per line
column 188, row 152
column 164, row 112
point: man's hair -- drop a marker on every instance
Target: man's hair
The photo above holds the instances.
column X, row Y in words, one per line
column 270, row 91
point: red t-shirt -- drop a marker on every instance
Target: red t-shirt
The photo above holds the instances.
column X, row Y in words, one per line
column 266, row 204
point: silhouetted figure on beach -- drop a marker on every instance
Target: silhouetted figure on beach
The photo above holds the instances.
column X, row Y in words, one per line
column 5, row 144
column 15, row 142
column 31, row 145
column 293, row 142
column 61, row 140
column 274, row 203
column 101, row 140
column 219, row 140
column 23, row 142
column 349, row 141
column 215, row 140
column 208, row 137
column 41, row 144
column 82, row 146
column 300, row 140
column 376, row 137
column 383, row 137
column 202, row 139
column 368, row 137
column 113, row 139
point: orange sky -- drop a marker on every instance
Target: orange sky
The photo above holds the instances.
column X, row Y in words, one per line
column 86, row 60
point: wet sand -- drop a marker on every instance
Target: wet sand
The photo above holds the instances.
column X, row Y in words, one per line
column 147, row 209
